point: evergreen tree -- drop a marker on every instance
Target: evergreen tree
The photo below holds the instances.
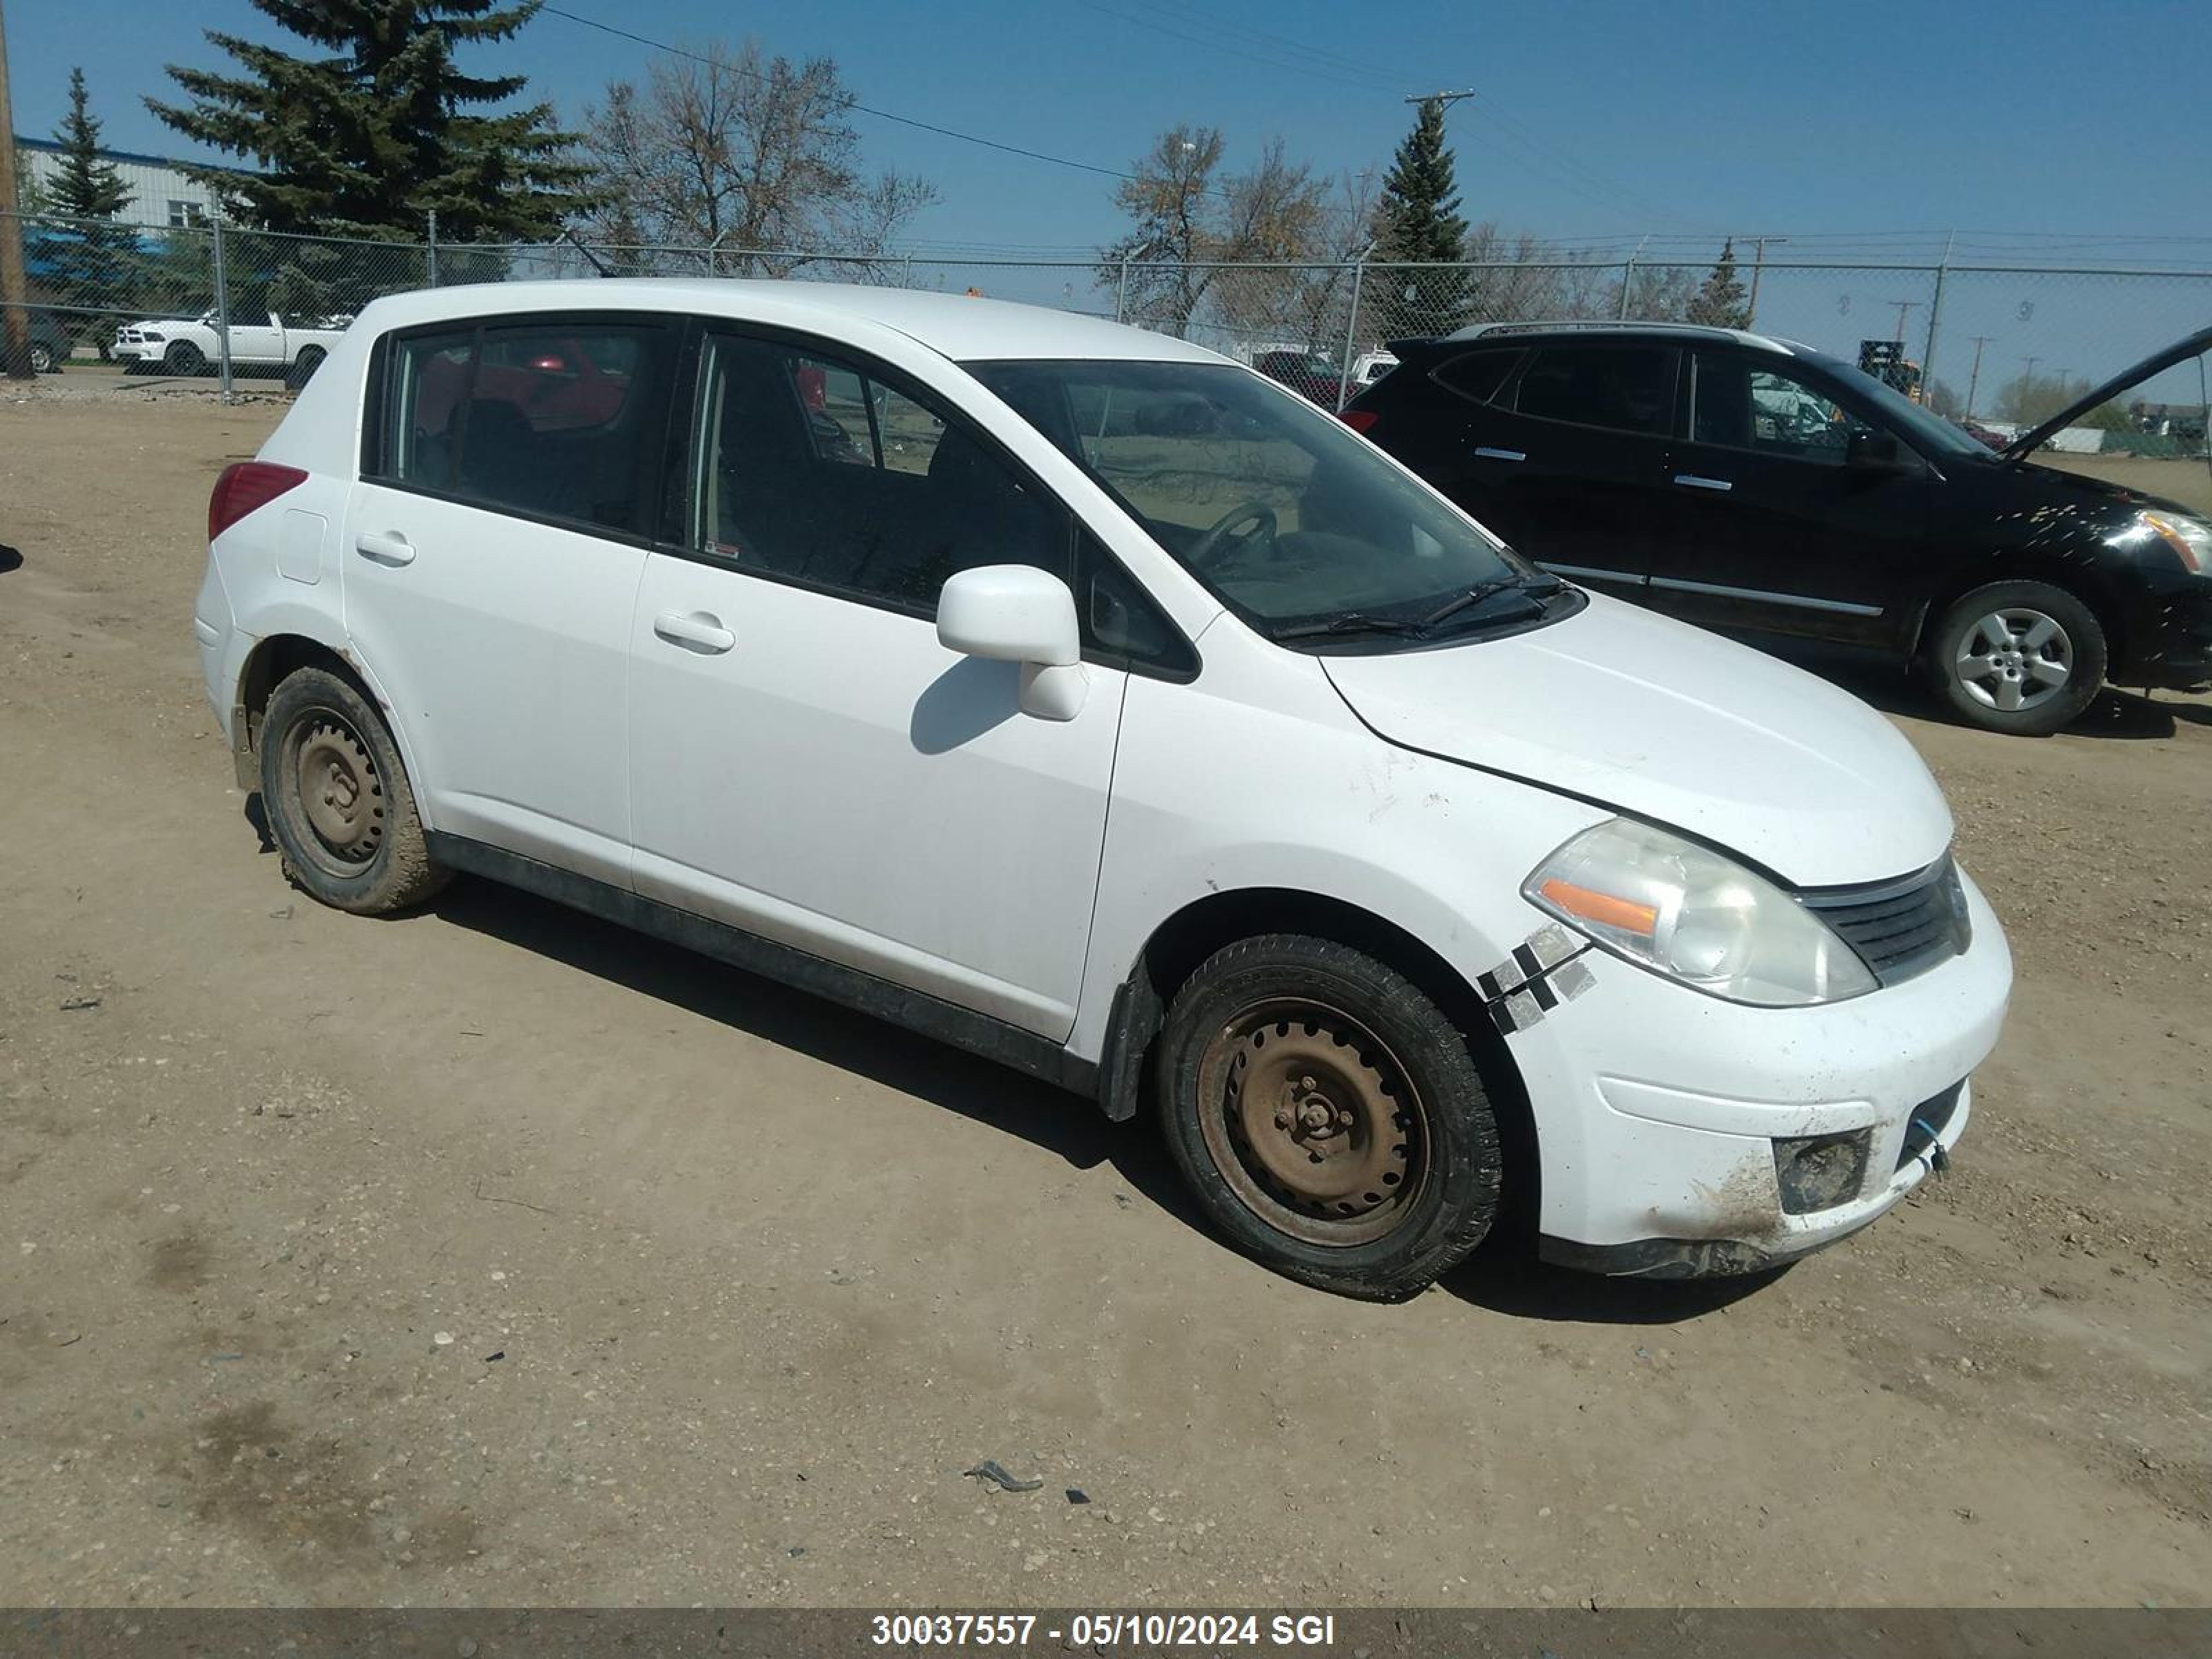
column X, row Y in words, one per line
column 85, row 257
column 381, row 126
column 1721, row 302
column 1418, row 221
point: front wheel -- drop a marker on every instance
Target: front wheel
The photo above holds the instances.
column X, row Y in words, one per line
column 338, row 799
column 183, row 357
column 1328, row 1117
column 2021, row 657
column 42, row 359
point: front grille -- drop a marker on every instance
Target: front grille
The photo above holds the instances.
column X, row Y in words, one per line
column 1902, row 928
column 1929, row 1120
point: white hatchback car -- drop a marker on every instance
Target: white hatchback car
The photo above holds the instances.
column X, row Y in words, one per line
column 1082, row 697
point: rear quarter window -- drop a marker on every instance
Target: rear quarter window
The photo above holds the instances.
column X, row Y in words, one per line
column 1477, row 374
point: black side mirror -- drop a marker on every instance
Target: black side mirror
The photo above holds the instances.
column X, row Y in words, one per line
column 1875, row 451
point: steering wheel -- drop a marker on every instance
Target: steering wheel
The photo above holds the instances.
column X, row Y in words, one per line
column 1217, row 544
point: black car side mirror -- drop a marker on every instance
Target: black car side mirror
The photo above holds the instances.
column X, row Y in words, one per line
column 1875, row 451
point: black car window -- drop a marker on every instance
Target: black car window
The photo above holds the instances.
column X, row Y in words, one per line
column 818, row 471
column 556, row 420
column 1478, row 374
column 1625, row 388
column 1759, row 405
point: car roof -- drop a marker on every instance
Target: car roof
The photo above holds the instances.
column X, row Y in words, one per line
column 964, row 327
column 1584, row 327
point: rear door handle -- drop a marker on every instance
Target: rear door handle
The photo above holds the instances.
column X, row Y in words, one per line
column 385, row 546
column 694, row 630
column 1490, row 455
column 1692, row 481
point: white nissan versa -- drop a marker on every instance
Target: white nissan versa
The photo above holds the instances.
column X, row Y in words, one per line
column 1080, row 696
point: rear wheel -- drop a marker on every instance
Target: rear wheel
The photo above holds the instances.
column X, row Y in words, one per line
column 183, row 357
column 337, row 798
column 42, row 359
column 303, row 369
column 1328, row 1117
column 2022, row 657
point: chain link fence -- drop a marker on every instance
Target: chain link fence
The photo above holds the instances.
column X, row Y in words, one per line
column 1998, row 345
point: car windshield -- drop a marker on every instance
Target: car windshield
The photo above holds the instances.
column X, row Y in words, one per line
column 1926, row 430
column 1293, row 520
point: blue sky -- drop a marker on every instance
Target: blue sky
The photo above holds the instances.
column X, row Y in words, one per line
column 1592, row 120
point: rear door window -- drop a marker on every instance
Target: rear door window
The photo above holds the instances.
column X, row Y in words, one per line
column 1619, row 388
column 555, row 419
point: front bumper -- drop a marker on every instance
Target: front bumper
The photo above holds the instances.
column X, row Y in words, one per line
column 1657, row 1109
column 2169, row 640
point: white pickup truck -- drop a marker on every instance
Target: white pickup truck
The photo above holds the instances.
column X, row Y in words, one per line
column 176, row 346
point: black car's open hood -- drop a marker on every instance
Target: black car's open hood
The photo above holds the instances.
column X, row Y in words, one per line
column 2182, row 350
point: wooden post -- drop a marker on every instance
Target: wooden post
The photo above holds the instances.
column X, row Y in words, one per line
column 15, row 288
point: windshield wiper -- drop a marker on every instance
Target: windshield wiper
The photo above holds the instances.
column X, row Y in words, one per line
column 1526, row 587
column 1352, row 622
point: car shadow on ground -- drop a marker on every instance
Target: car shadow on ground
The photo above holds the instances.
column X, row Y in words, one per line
column 1894, row 690
column 1063, row 1124
column 1504, row 1277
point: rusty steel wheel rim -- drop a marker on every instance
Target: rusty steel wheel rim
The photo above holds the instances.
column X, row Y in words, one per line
column 1313, row 1121
column 341, row 793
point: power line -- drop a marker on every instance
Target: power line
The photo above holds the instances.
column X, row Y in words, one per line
column 853, row 104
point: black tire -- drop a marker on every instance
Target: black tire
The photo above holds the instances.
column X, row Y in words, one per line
column 360, row 845
column 2019, row 635
column 1355, row 1039
column 303, row 369
column 42, row 359
column 183, row 357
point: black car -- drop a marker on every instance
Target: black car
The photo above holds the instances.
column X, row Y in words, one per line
column 49, row 341
column 1755, row 484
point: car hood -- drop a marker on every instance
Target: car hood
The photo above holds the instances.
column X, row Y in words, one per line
column 1676, row 725
column 2189, row 345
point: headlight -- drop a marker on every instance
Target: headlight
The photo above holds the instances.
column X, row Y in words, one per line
column 2190, row 538
column 1691, row 914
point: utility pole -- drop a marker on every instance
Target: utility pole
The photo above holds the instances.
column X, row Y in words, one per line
column 1974, row 378
column 1445, row 99
column 1903, row 307
column 1758, row 264
column 14, row 290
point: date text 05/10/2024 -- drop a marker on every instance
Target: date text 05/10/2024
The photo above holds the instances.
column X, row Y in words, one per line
column 1103, row 1630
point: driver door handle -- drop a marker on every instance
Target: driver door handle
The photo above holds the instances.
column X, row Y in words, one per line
column 1692, row 481
column 1490, row 455
column 694, row 630
column 385, row 546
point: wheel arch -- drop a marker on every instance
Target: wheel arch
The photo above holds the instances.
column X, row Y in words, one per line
column 2073, row 575
column 265, row 667
column 1185, row 939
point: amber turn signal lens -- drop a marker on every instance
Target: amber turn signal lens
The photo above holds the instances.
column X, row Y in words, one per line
column 1602, row 908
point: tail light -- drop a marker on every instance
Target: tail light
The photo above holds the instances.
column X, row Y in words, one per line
column 244, row 486
column 1358, row 419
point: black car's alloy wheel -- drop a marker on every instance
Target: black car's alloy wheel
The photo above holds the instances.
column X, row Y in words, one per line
column 2021, row 657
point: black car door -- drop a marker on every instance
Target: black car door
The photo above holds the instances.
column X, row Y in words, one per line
column 1793, row 510
column 1567, row 458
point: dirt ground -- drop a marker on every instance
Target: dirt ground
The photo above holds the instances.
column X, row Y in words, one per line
column 493, row 1256
column 2187, row 483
